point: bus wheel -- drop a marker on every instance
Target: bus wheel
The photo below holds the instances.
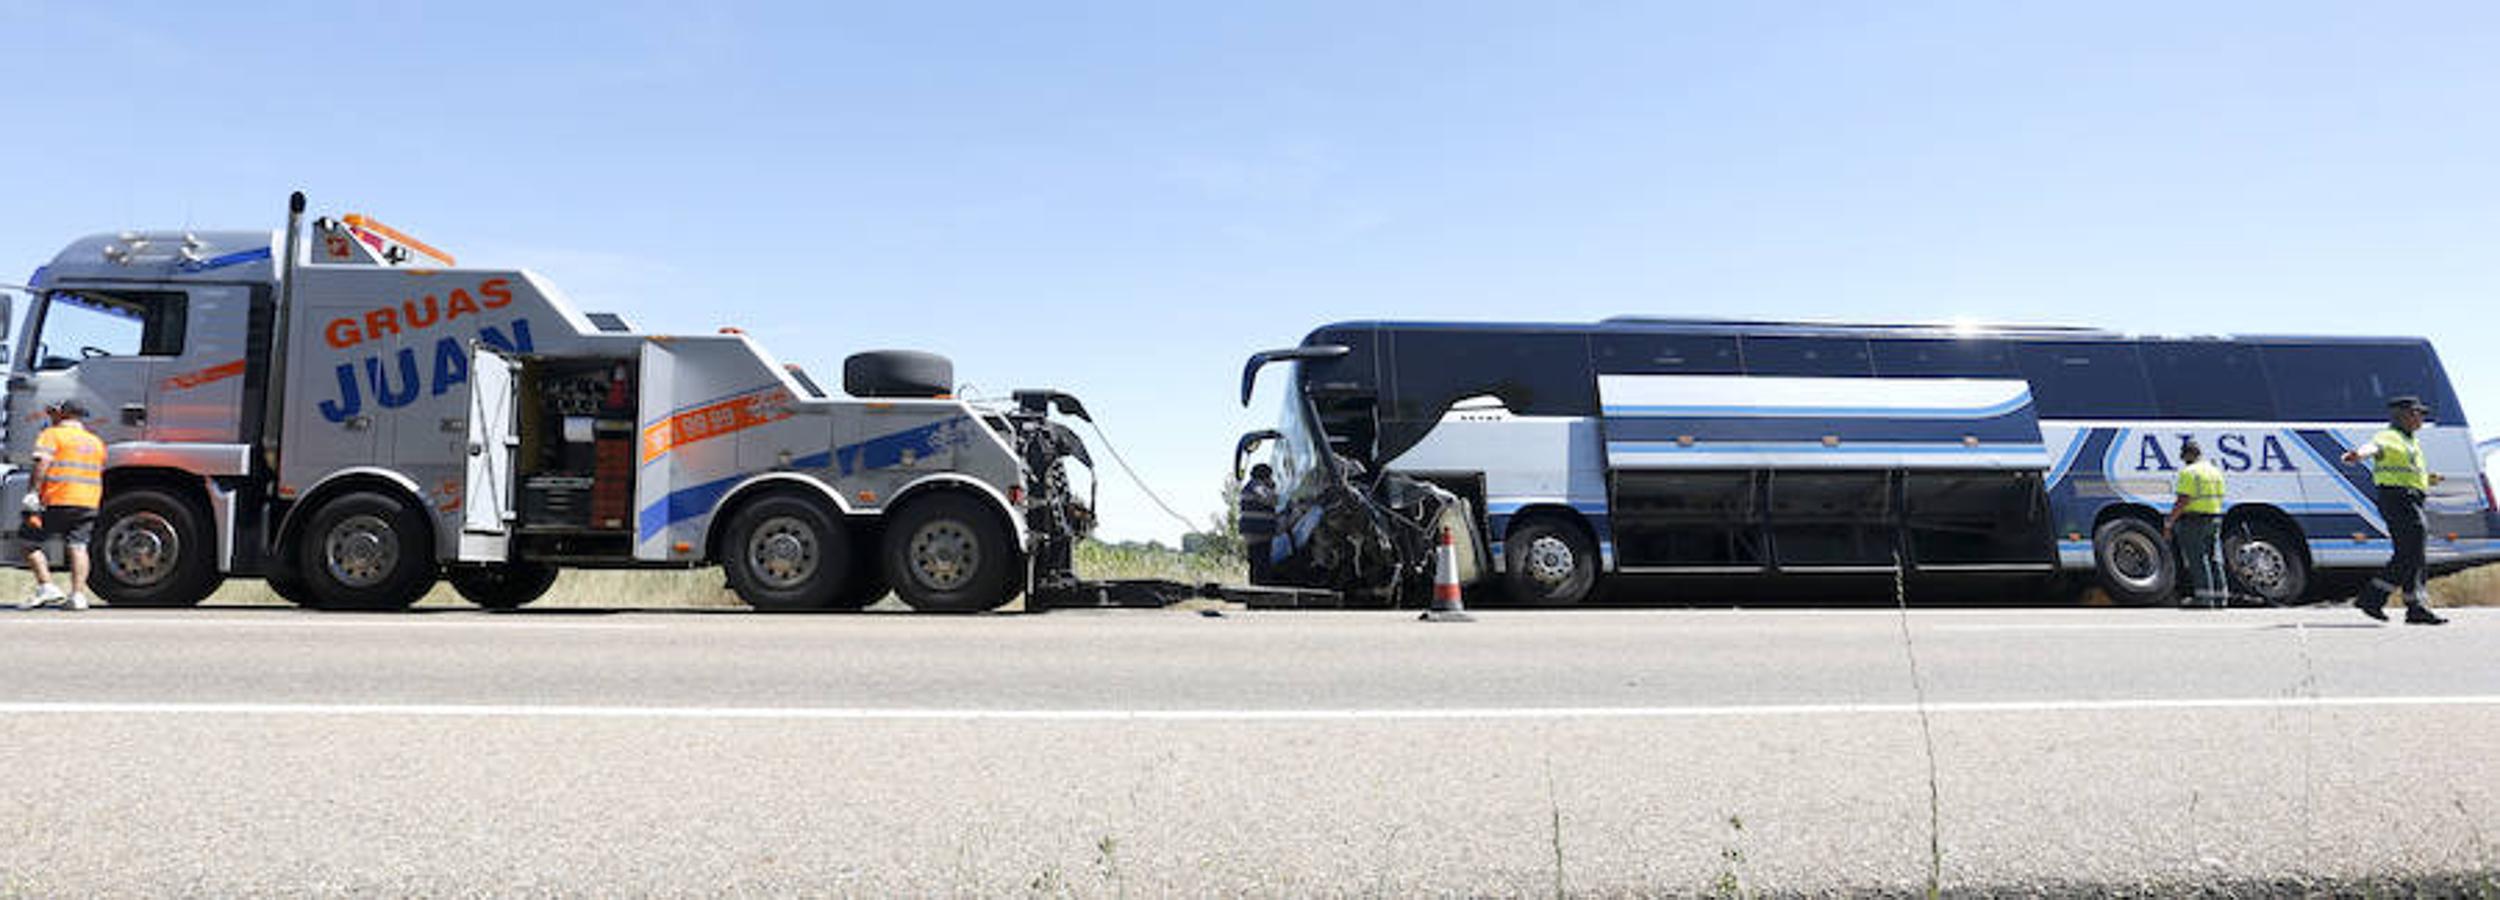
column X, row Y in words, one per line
column 786, row 552
column 1546, row 562
column 948, row 552
column 153, row 549
column 2265, row 563
column 367, row 551
column 2134, row 562
column 510, row 585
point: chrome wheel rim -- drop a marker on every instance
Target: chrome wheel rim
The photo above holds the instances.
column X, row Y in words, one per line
column 944, row 555
column 362, row 551
column 783, row 552
column 2135, row 561
column 2263, row 567
column 140, row 549
column 1550, row 560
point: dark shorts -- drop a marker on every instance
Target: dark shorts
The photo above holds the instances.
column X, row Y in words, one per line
column 74, row 525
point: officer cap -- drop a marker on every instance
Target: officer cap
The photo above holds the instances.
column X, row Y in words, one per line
column 2408, row 401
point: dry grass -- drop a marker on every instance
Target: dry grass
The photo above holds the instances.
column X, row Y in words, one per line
column 704, row 588
column 2473, row 587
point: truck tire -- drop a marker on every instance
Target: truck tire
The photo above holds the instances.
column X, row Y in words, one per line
column 289, row 587
column 787, row 552
column 153, row 548
column 510, row 585
column 898, row 373
column 1548, row 562
column 366, row 551
column 948, row 552
column 2134, row 562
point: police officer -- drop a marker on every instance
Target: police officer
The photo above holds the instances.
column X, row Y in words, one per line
column 2195, row 526
column 2403, row 479
column 67, row 486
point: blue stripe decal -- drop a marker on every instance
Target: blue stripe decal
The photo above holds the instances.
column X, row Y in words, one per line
column 1505, row 507
column 918, row 443
column 2364, row 503
column 684, row 504
column 2004, row 429
column 2008, row 407
column 2066, row 461
column 236, row 258
column 1815, row 447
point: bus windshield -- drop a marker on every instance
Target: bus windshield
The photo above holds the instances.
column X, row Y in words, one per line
column 1301, row 456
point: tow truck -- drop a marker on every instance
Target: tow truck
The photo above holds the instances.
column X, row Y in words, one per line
column 345, row 411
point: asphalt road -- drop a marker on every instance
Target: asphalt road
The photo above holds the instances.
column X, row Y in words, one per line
column 229, row 752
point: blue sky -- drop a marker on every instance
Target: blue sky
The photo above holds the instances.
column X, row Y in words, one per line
column 1123, row 200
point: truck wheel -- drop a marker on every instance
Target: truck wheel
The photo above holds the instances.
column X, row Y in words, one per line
column 867, row 584
column 367, row 551
column 1549, row 563
column 2134, row 562
column 152, row 548
column 509, row 585
column 2264, row 562
column 289, row 587
column 787, row 552
column 948, row 552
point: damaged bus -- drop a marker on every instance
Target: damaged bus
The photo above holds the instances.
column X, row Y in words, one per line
column 1637, row 446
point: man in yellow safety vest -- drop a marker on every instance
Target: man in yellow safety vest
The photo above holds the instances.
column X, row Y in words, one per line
column 2195, row 526
column 61, row 501
column 2404, row 480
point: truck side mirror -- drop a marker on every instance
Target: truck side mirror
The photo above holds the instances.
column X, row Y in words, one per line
column 8, row 314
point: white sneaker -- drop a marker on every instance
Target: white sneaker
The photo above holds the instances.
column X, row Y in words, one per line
column 78, row 602
column 46, row 595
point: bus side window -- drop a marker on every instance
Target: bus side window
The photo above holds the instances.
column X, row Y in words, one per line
column 2208, row 380
column 1807, row 356
column 2350, row 382
column 2086, row 379
column 1666, row 353
column 1943, row 358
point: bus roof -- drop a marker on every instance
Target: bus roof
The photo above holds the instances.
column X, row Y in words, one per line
column 1807, row 328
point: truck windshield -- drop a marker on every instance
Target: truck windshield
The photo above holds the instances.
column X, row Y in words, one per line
column 1303, row 465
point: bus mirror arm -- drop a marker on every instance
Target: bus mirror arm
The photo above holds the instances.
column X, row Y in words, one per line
column 1248, row 443
column 1259, row 360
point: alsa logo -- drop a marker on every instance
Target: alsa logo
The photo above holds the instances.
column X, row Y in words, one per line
column 396, row 379
column 2233, row 452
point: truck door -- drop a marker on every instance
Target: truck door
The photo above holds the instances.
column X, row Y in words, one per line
column 106, row 349
column 198, row 399
column 493, row 447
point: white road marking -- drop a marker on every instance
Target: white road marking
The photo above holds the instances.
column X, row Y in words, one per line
column 870, row 714
column 515, row 623
column 2266, row 625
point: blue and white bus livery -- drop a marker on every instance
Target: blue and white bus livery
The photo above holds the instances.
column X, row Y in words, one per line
column 1684, row 447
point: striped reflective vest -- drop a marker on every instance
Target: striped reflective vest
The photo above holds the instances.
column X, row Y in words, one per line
column 75, row 477
column 2201, row 483
column 2399, row 461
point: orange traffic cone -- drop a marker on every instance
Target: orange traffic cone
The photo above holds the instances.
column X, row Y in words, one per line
column 1447, row 605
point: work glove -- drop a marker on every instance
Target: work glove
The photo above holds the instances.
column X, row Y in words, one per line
column 33, row 504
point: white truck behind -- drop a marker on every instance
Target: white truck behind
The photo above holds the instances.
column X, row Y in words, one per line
column 356, row 417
